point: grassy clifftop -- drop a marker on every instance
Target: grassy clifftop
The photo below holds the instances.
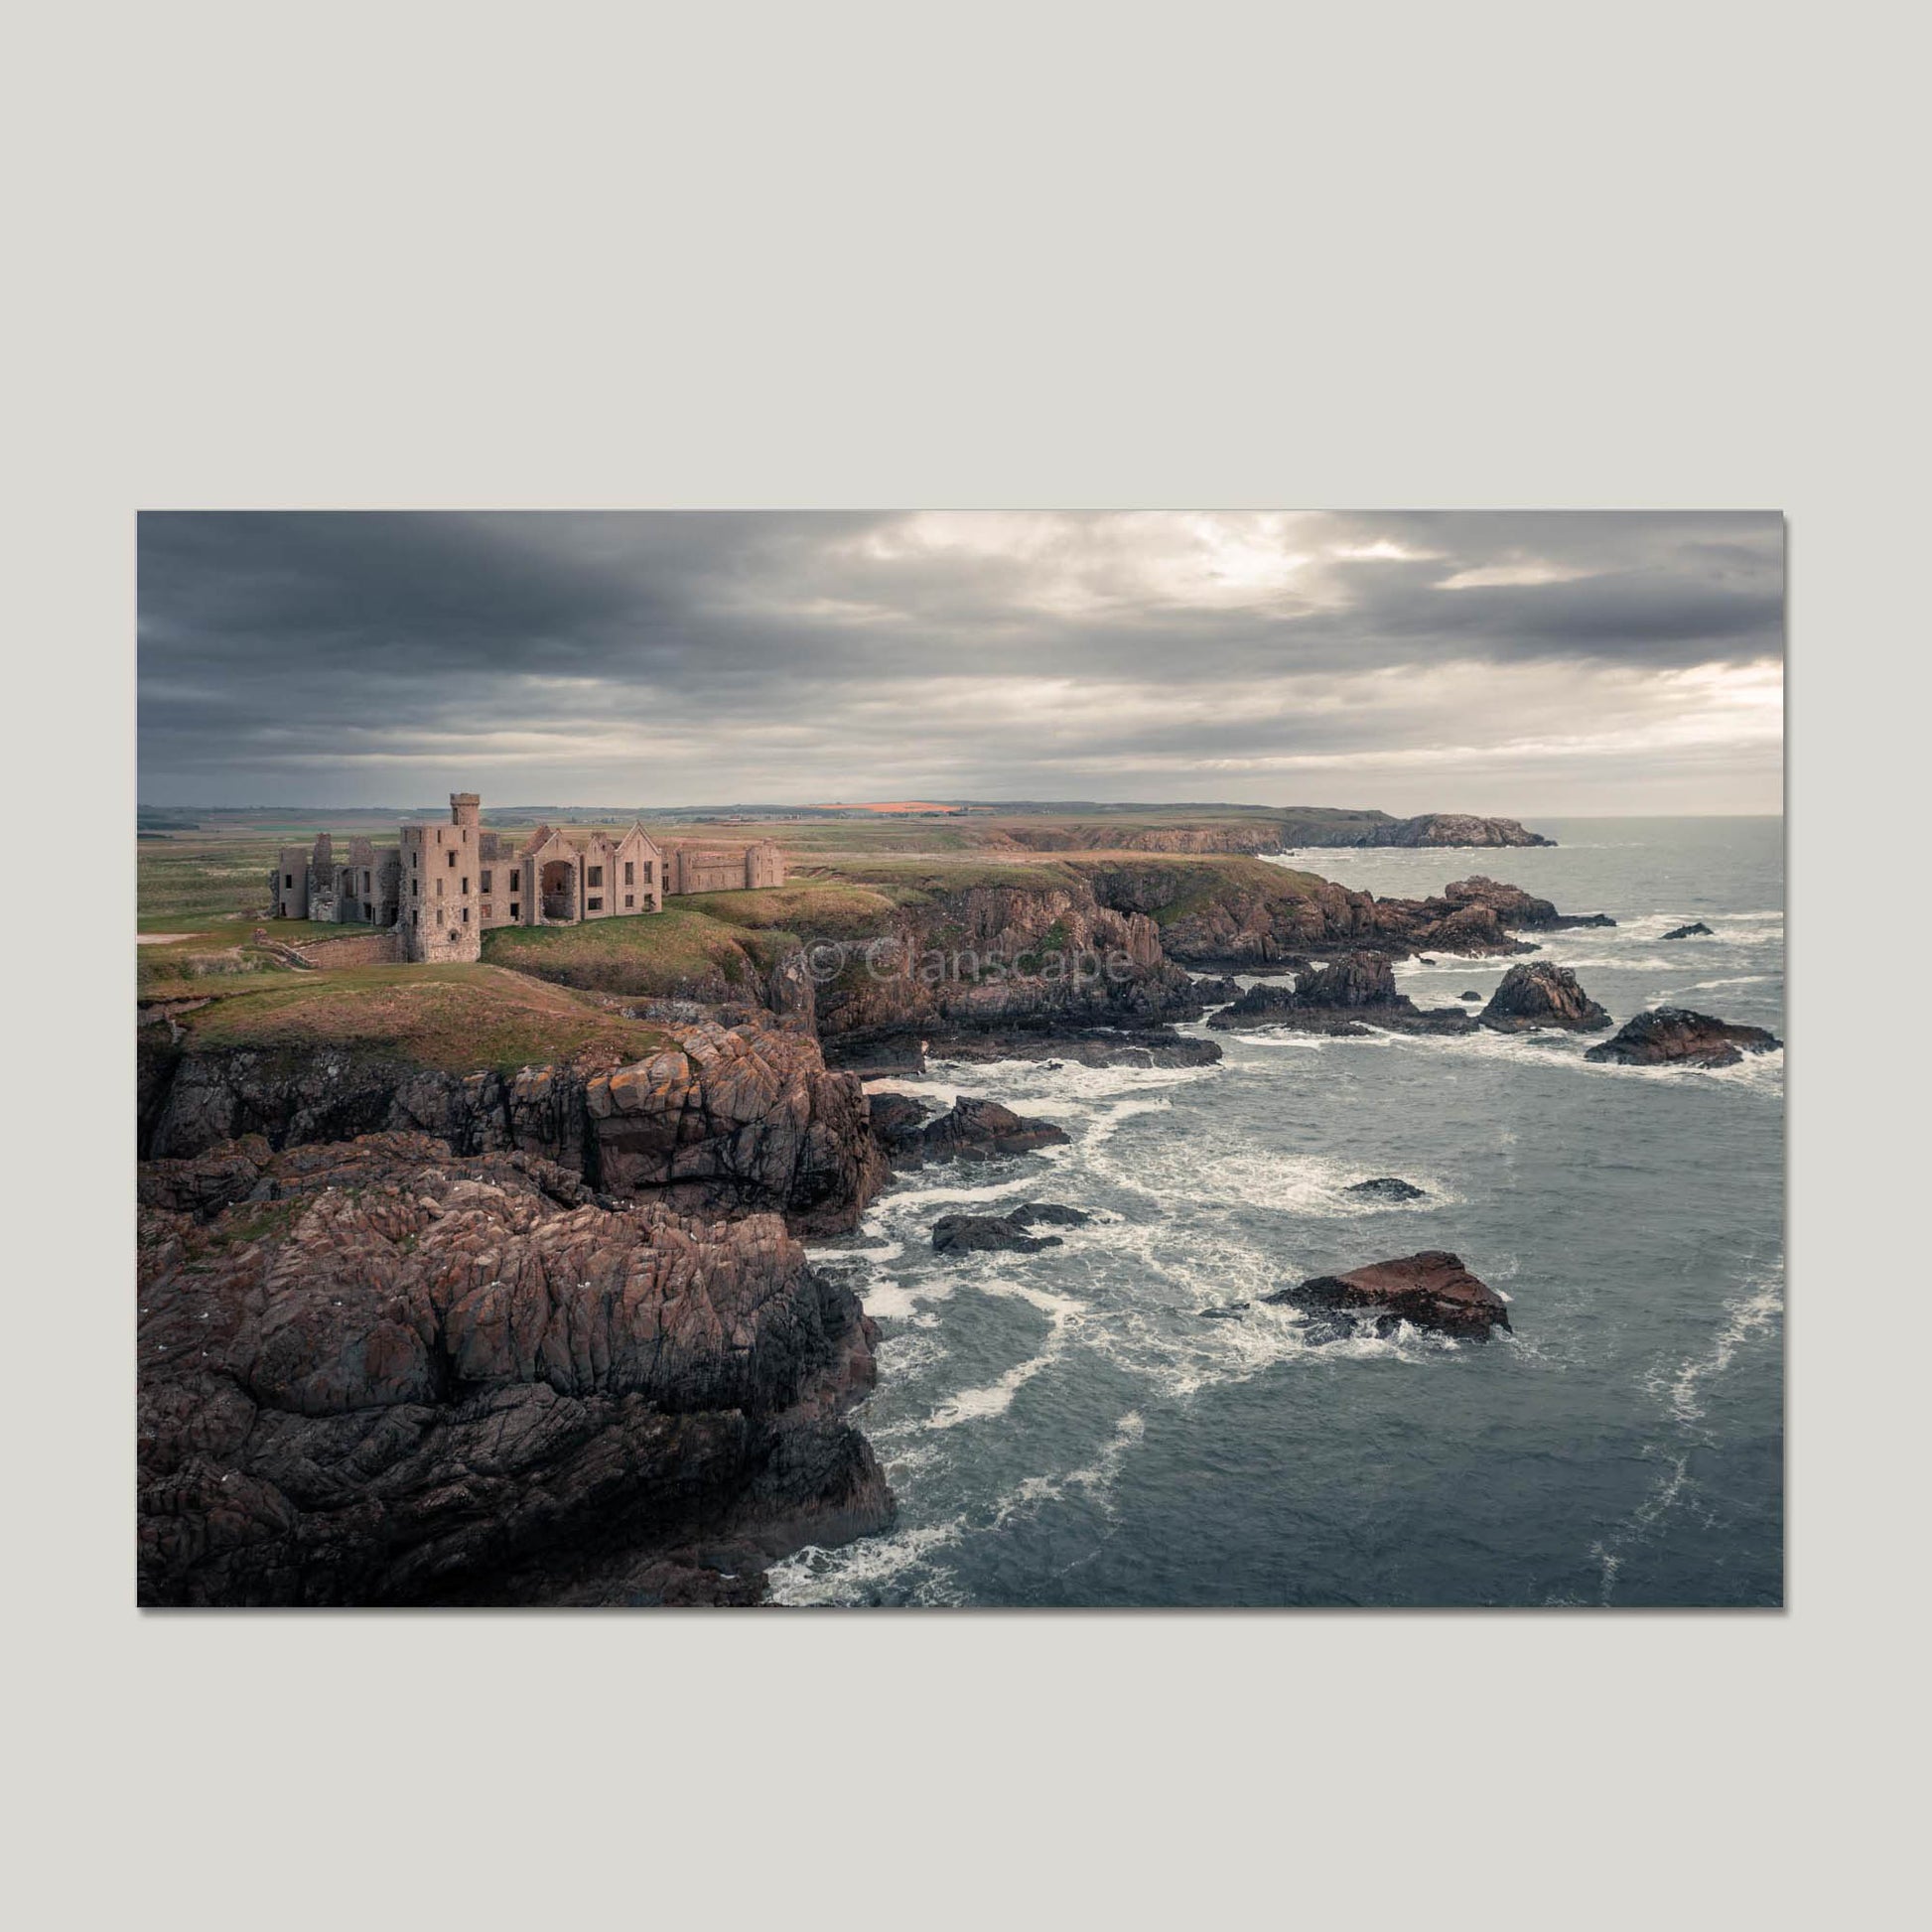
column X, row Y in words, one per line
column 457, row 1018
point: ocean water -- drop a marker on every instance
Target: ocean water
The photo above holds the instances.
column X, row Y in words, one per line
column 1066, row 1428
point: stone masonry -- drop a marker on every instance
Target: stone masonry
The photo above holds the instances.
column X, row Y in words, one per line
column 446, row 885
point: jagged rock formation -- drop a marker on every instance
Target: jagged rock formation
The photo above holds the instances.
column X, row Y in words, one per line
column 726, row 1120
column 1005, row 1233
column 1343, row 997
column 1431, row 1290
column 1677, row 1036
column 736, row 1119
column 1542, row 994
column 1696, row 931
column 973, row 1130
column 1240, row 915
column 1517, row 909
column 375, row 1372
column 989, row 957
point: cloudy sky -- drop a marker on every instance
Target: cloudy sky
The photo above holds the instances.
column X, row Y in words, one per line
column 1530, row 665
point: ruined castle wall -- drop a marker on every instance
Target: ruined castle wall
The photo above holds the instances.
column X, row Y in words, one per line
column 764, row 865
column 725, row 869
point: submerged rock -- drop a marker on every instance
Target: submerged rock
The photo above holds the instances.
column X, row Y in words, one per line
column 1697, row 930
column 1677, row 1036
column 1542, row 994
column 1431, row 1290
column 1388, row 1187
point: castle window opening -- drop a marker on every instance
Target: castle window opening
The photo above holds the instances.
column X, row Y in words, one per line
column 465, row 915
column 466, row 886
column 597, row 876
column 630, row 874
column 629, row 898
column 287, row 881
column 517, row 880
column 451, row 861
column 489, row 912
column 439, row 915
column 366, row 885
column 516, row 912
column 485, row 882
column 593, row 905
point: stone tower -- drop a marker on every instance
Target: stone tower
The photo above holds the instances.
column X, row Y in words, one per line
column 439, row 913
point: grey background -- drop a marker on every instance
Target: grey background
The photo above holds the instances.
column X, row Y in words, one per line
column 1081, row 255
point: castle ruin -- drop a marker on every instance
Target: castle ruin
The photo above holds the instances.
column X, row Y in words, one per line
column 446, row 885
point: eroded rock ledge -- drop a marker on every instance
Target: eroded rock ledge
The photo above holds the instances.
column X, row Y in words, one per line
column 377, row 1372
column 741, row 1119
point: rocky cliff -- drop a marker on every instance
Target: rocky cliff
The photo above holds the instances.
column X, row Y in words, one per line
column 1452, row 829
column 1245, row 912
column 724, row 1120
column 375, row 1372
column 984, row 955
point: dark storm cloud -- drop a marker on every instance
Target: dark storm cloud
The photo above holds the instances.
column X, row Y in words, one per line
column 364, row 659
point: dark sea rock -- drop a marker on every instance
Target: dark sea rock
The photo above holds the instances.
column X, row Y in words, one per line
column 1230, row 1313
column 1431, row 1290
column 1538, row 996
column 1343, row 997
column 393, row 1375
column 1144, row 1046
column 975, row 1130
column 1216, row 990
column 1469, row 996
column 1046, row 1213
column 1677, row 1036
column 1388, row 1187
column 1516, row 908
column 1696, row 931
column 982, row 1233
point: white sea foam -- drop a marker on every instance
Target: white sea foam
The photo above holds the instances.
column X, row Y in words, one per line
column 1751, row 1312
column 976, row 1405
column 859, row 1569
